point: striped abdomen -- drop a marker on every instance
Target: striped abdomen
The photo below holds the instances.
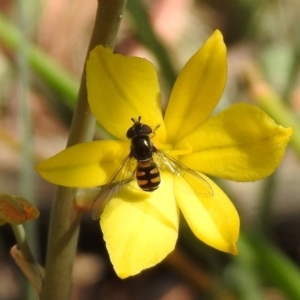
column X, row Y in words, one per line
column 147, row 175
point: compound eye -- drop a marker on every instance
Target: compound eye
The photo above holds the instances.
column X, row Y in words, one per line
column 146, row 129
column 130, row 133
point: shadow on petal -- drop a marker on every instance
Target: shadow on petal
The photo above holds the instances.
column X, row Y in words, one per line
column 140, row 229
column 214, row 219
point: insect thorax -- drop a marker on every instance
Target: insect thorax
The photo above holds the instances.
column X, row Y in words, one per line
column 141, row 148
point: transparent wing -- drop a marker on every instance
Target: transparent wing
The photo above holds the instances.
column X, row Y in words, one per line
column 196, row 181
column 123, row 175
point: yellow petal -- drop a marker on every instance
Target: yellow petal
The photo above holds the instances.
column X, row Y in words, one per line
column 198, row 89
column 84, row 165
column 121, row 88
column 140, row 228
column 242, row 143
column 214, row 220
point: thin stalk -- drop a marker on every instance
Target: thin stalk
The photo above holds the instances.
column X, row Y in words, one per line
column 267, row 261
column 293, row 71
column 26, row 260
column 280, row 112
column 266, row 205
column 273, row 264
column 247, row 280
column 65, row 219
column 150, row 40
column 273, row 105
column 49, row 71
column 21, row 238
column 24, row 121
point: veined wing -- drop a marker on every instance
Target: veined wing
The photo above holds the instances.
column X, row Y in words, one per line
column 123, row 175
column 196, row 181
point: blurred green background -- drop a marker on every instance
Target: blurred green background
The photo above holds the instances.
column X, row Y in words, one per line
column 42, row 50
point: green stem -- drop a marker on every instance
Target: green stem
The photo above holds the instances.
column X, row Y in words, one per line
column 46, row 68
column 272, row 104
column 247, row 280
column 278, row 110
column 293, row 74
column 25, row 126
column 65, row 219
column 273, row 264
column 149, row 39
column 266, row 204
column 20, row 235
column 25, row 260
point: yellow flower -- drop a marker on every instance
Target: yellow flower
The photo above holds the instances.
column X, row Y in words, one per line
column 241, row 143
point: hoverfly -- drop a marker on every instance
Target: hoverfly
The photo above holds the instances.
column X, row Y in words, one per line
column 144, row 163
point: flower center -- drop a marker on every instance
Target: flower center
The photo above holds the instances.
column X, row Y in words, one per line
column 168, row 148
column 179, row 152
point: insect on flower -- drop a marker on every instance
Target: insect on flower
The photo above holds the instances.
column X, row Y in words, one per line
column 144, row 164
